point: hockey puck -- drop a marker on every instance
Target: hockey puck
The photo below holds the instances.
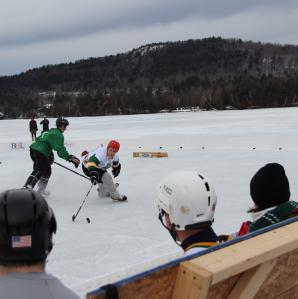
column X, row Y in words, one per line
column 73, row 217
column 88, row 220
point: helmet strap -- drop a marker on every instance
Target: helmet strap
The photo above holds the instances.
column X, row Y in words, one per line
column 172, row 230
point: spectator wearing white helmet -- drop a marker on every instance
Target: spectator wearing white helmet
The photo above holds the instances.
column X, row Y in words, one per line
column 186, row 203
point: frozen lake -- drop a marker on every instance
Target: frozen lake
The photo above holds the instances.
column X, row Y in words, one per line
column 226, row 146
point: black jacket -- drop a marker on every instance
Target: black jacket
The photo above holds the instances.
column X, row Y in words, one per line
column 33, row 125
column 45, row 124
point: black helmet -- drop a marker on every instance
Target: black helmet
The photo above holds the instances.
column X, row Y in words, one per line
column 61, row 121
column 27, row 224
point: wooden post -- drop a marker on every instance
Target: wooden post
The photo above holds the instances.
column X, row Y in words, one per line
column 192, row 282
column 250, row 281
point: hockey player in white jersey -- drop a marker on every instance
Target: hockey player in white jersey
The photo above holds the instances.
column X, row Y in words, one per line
column 95, row 165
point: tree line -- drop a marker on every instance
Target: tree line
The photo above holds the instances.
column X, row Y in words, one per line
column 211, row 73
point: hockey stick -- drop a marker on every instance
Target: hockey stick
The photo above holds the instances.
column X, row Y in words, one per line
column 74, row 216
column 72, row 171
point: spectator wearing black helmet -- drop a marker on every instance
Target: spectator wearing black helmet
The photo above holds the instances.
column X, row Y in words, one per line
column 27, row 225
column 41, row 152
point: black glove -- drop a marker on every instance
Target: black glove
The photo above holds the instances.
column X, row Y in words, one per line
column 51, row 158
column 116, row 170
column 94, row 178
column 73, row 159
column 84, row 153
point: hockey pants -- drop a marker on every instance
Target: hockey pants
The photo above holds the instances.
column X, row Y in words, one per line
column 41, row 171
column 108, row 186
column 106, row 183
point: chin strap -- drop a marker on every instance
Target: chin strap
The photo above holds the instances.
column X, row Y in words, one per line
column 172, row 230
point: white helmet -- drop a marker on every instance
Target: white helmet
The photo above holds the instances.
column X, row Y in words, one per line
column 188, row 198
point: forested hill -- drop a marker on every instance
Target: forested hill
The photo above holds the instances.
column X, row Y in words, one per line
column 209, row 73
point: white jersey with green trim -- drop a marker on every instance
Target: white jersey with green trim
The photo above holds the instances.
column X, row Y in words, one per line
column 99, row 156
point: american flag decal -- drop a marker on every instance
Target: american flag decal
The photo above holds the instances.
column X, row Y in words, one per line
column 21, row 241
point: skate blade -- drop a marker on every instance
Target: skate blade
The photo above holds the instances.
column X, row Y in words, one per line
column 124, row 198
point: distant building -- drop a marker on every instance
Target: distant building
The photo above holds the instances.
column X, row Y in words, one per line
column 2, row 115
column 187, row 109
column 230, row 108
column 47, row 106
column 47, row 94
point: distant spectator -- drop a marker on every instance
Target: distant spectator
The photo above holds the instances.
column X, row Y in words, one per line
column 186, row 202
column 45, row 124
column 33, row 128
column 270, row 192
column 27, row 225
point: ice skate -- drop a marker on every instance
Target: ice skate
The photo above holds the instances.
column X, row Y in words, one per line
column 44, row 193
column 42, row 185
column 120, row 198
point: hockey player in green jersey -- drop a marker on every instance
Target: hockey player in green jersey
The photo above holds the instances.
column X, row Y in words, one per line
column 41, row 152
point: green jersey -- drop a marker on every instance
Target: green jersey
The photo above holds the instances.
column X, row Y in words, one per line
column 283, row 211
column 51, row 140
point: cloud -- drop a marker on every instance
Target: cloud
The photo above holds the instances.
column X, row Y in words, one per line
column 35, row 33
column 37, row 21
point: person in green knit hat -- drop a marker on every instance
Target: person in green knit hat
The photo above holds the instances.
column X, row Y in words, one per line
column 270, row 192
column 41, row 152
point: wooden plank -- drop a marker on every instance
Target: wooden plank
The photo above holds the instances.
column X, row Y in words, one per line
column 281, row 280
column 283, row 277
column 192, row 282
column 242, row 256
column 150, row 154
column 241, row 270
column 251, row 281
column 157, row 285
column 290, row 294
column 222, row 289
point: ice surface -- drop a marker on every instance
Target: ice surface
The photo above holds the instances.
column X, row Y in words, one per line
column 226, row 146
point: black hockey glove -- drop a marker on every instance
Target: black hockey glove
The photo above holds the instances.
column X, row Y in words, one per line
column 84, row 153
column 73, row 159
column 94, row 177
column 116, row 170
column 51, row 158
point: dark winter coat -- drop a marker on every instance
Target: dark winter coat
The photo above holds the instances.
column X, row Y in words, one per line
column 33, row 125
column 45, row 124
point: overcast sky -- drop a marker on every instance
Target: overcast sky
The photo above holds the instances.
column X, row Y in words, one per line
column 40, row 32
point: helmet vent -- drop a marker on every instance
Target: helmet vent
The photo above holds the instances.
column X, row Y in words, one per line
column 6, row 215
column 34, row 211
column 207, row 186
column 208, row 201
column 201, row 177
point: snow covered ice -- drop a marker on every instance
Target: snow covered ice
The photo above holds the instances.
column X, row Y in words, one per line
column 226, row 146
